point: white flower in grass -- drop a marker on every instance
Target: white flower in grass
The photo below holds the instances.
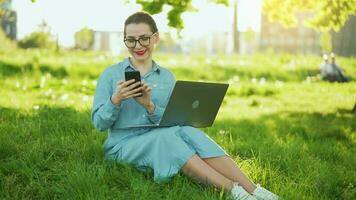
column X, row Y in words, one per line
column 64, row 97
column 100, row 58
column 93, row 82
column 313, row 78
column 208, row 61
column 234, row 79
column 84, row 82
column 53, row 96
column 48, row 92
column 222, row 132
column 279, row 83
column 36, row 107
column 253, row 80
column 221, row 62
column 24, row 87
column 17, row 84
column 43, row 82
column 263, row 81
column 64, row 81
column 85, row 98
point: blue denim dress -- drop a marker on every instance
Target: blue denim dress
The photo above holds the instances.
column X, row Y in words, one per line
column 165, row 150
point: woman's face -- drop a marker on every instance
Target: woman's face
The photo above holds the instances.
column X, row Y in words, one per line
column 144, row 47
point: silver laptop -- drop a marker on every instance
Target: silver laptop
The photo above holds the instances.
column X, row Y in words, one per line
column 192, row 104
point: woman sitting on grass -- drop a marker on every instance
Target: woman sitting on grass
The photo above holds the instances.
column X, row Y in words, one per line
column 118, row 103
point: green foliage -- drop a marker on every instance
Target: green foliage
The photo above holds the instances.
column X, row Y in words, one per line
column 177, row 9
column 37, row 40
column 84, row 39
column 332, row 14
column 5, row 13
column 327, row 14
column 326, row 42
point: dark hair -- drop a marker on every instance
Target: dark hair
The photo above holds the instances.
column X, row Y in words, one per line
column 141, row 17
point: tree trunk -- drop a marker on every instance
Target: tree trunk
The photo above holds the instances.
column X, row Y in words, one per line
column 354, row 109
column 235, row 30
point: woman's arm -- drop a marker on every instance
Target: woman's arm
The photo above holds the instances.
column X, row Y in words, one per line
column 104, row 112
column 156, row 115
column 108, row 99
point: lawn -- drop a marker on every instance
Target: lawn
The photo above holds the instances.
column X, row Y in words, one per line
column 287, row 129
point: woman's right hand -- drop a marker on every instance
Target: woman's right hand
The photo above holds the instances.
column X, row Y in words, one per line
column 125, row 90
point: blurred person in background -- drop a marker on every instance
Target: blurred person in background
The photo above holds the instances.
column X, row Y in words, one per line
column 330, row 71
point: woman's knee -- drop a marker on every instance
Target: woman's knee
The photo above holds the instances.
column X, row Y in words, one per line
column 189, row 131
column 190, row 164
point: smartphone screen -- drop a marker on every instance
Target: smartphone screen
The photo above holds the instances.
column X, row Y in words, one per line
column 133, row 75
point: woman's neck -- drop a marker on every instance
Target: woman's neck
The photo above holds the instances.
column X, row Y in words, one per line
column 142, row 66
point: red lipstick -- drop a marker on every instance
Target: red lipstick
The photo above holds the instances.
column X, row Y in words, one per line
column 140, row 53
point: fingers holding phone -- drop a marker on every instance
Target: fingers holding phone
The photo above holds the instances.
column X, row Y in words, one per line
column 145, row 99
column 146, row 91
column 125, row 90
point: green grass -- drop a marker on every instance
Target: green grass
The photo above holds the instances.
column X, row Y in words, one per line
column 289, row 131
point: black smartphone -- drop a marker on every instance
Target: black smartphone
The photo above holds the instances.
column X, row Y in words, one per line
column 133, row 75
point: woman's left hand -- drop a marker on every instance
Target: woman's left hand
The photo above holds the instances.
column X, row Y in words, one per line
column 145, row 99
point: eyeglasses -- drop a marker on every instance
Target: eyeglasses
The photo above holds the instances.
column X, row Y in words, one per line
column 144, row 41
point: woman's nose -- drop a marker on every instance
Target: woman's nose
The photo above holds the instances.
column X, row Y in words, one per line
column 138, row 45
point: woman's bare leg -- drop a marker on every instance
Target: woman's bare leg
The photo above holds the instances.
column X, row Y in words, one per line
column 201, row 171
column 228, row 168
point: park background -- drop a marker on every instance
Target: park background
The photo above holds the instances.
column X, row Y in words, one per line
column 288, row 130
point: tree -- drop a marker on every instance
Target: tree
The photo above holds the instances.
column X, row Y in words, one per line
column 235, row 31
column 84, row 39
column 39, row 39
column 177, row 8
column 3, row 10
column 328, row 14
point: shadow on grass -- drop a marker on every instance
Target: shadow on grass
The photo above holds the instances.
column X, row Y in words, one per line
column 310, row 154
column 55, row 151
column 222, row 73
column 281, row 127
column 7, row 69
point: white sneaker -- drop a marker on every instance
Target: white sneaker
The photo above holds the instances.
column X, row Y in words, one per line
column 239, row 193
column 262, row 194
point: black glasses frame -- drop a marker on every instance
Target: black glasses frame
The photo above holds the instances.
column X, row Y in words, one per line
column 138, row 40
